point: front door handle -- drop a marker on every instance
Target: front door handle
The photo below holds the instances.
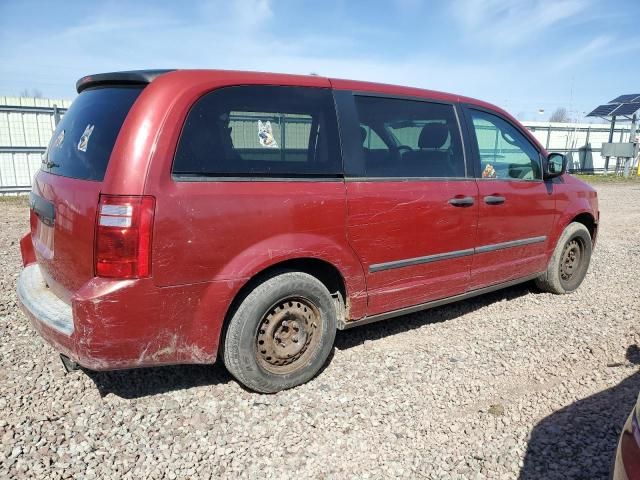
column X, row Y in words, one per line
column 461, row 201
column 494, row 199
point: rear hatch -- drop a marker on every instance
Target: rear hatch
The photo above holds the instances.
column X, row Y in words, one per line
column 66, row 190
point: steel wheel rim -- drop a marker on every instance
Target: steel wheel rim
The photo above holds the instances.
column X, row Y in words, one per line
column 571, row 259
column 287, row 335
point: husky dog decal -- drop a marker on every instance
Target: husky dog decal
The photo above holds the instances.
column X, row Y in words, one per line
column 84, row 139
column 265, row 135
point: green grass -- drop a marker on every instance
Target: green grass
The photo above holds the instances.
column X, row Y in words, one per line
column 608, row 178
column 19, row 200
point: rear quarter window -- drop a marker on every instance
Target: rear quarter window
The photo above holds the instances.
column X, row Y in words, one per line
column 85, row 137
column 260, row 131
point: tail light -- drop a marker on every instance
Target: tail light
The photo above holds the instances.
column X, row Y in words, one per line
column 123, row 236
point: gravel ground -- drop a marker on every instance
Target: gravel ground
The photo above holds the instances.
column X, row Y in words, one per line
column 513, row 384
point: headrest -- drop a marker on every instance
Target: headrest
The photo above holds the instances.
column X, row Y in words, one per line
column 363, row 134
column 433, row 135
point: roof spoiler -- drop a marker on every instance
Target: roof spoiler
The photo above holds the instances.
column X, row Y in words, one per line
column 132, row 77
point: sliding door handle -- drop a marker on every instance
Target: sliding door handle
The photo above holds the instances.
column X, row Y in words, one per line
column 461, row 201
column 494, row 199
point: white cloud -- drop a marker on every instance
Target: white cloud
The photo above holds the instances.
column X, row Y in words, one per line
column 600, row 47
column 249, row 35
column 511, row 23
column 594, row 48
column 239, row 15
column 236, row 35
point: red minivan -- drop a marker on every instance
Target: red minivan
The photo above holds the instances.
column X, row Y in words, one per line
column 183, row 215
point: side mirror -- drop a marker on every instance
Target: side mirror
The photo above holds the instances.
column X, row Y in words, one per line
column 556, row 165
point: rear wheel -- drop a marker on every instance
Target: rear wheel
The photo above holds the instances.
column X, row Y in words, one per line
column 570, row 261
column 281, row 333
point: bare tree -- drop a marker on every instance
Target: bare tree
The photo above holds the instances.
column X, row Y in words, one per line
column 560, row 115
column 34, row 92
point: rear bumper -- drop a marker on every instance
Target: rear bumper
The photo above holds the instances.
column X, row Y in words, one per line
column 38, row 300
column 51, row 317
column 117, row 324
column 627, row 462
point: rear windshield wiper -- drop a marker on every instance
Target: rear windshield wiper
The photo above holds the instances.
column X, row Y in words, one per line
column 50, row 164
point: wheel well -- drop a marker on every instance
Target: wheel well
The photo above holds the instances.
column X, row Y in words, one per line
column 588, row 221
column 327, row 273
column 324, row 271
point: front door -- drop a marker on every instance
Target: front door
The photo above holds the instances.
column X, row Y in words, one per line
column 516, row 207
column 412, row 207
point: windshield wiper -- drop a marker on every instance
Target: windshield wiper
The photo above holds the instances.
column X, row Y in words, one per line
column 49, row 164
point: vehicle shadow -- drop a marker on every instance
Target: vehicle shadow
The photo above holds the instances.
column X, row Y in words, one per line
column 144, row 382
column 374, row 331
column 579, row 441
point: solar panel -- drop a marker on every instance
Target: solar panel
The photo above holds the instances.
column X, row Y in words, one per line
column 603, row 110
column 632, row 97
column 626, row 109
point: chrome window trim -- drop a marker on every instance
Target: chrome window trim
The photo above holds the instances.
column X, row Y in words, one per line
column 408, row 262
column 205, row 178
column 437, row 179
column 409, row 179
column 530, row 180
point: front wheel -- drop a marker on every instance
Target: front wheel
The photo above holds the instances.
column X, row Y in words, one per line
column 281, row 333
column 570, row 261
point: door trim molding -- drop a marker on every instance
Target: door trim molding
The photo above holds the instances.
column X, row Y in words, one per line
column 408, row 262
column 514, row 243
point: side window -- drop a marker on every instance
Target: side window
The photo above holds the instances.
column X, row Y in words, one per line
column 409, row 138
column 504, row 151
column 260, row 131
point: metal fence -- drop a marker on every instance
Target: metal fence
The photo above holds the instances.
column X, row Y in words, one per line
column 581, row 143
column 26, row 125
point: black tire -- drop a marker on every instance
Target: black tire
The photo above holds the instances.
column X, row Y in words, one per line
column 281, row 333
column 570, row 261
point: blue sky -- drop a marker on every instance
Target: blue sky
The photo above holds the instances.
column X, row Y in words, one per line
column 522, row 55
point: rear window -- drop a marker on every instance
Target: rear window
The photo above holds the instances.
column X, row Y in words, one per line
column 83, row 141
column 260, row 131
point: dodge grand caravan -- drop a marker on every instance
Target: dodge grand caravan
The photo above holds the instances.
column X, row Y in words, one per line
column 184, row 216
